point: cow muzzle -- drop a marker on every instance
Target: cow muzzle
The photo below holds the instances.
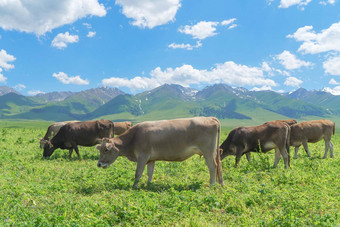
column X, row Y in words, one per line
column 103, row 165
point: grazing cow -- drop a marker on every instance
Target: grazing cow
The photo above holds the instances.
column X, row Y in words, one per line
column 272, row 135
column 87, row 133
column 121, row 127
column 166, row 140
column 288, row 121
column 53, row 128
column 312, row 132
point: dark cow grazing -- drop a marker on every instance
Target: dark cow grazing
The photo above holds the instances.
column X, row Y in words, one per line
column 312, row 132
column 167, row 140
column 52, row 130
column 121, row 127
column 262, row 138
column 87, row 133
column 287, row 121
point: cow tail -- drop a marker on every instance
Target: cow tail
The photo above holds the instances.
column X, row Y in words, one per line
column 218, row 155
column 288, row 143
column 333, row 128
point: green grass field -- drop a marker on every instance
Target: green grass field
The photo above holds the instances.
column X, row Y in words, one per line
column 62, row 191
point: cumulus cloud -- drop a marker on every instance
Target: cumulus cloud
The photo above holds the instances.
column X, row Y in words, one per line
column 2, row 77
column 314, row 43
column 230, row 23
column 35, row 92
column 65, row 79
column 332, row 66
column 62, row 39
column 293, row 82
column 19, row 87
column 149, row 13
column 186, row 75
column 91, row 34
column 289, row 3
column 331, row 2
column 333, row 82
column 5, row 59
column 40, row 17
column 333, row 91
column 289, row 61
column 201, row 30
column 185, row 46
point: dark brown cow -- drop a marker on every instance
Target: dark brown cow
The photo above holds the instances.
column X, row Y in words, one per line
column 87, row 133
column 121, row 127
column 52, row 130
column 272, row 135
column 167, row 140
column 312, row 132
column 287, row 121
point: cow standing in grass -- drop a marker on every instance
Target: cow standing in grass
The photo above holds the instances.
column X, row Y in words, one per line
column 312, row 132
column 121, row 127
column 87, row 133
column 265, row 137
column 52, row 130
column 167, row 140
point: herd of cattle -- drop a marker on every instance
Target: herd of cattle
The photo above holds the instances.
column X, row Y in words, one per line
column 179, row 139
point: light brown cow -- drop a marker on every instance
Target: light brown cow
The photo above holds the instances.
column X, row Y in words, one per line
column 166, row 140
column 287, row 121
column 52, row 130
column 312, row 132
column 121, row 127
column 265, row 137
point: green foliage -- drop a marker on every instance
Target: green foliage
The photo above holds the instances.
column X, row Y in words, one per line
column 70, row 192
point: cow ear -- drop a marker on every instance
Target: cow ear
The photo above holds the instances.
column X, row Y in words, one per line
column 221, row 151
column 98, row 147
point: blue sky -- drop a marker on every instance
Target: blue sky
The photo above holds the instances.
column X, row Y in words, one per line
column 137, row 45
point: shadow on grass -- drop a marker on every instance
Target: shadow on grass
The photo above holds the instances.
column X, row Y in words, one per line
column 152, row 187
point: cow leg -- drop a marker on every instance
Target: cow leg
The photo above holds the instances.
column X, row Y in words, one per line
column 70, row 152
column 305, row 146
column 212, row 166
column 285, row 156
column 327, row 146
column 248, row 156
column 331, row 146
column 277, row 157
column 151, row 166
column 139, row 171
column 296, row 151
column 77, row 151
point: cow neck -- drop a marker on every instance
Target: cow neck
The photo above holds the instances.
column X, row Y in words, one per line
column 124, row 142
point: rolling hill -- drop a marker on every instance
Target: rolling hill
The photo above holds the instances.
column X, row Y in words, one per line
column 173, row 101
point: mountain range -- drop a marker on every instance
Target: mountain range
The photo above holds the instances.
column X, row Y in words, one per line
column 169, row 101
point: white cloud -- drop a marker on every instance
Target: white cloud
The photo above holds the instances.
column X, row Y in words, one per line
column 65, row 79
column 185, row 46
column 5, row 58
column 19, row 87
column 230, row 23
column 293, row 82
column 289, row 61
column 263, row 88
column 186, row 75
column 332, row 66
column 87, row 25
column 331, row 2
column 40, row 17
column 334, row 91
column 35, row 92
column 149, row 13
column 333, row 82
column 2, row 77
column 201, row 30
column 289, row 3
column 232, row 26
column 91, row 34
column 62, row 39
column 314, row 43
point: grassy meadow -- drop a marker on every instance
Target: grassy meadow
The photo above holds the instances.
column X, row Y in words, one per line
column 61, row 191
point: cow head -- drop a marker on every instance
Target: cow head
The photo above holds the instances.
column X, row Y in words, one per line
column 42, row 142
column 108, row 153
column 48, row 149
column 227, row 150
